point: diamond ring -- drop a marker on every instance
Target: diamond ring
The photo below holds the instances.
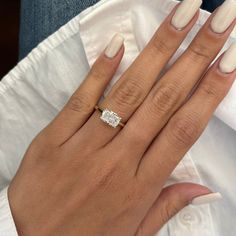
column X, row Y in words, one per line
column 110, row 117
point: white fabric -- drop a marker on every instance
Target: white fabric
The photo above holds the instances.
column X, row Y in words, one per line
column 7, row 225
column 34, row 91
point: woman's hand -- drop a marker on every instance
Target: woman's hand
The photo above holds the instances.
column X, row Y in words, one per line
column 82, row 177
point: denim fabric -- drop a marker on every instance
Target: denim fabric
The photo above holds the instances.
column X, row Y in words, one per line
column 211, row 5
column 40, row 18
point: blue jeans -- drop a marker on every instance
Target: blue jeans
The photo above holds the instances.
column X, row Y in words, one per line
column 40, row 18
column 211, row 5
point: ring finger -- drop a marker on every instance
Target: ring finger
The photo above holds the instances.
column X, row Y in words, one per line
column 132, row 88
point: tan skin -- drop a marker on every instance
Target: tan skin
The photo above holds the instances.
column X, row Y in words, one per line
column 82, row 177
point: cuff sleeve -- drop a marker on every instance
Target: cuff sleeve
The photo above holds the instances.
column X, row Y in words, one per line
column 7, row 225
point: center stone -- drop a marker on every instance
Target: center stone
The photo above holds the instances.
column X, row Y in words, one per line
column 110, row 118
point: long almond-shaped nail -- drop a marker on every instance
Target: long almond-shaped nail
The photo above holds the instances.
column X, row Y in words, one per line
column 224, row 16
column 114, row 46
column 185, row 12
column 208, row 198
column 228, row 61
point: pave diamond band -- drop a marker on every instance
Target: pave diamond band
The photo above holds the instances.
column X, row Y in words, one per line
column 110, row 117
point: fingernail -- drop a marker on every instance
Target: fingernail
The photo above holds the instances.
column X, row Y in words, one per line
column 224, row 16
column 228, row 61
column 185, row 12
column 114, row 46
column 208, row 198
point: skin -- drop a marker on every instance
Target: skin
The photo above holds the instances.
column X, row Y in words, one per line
column 82, row 177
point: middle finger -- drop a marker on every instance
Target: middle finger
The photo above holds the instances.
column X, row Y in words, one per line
column 132, row 88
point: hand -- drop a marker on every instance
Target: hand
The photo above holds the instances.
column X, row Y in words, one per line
column 82, row 177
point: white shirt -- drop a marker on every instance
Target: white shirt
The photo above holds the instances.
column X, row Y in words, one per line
column 39, row 86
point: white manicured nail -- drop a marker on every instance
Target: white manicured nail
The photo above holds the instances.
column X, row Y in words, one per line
column 185, row 12
column 114, row 46
column 224, row 16
column 228, row 61
column 208, row 198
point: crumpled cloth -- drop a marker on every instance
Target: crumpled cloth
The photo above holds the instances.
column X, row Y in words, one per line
column 32, row 94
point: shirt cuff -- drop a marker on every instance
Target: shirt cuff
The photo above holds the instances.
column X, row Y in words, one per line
column 7, row 225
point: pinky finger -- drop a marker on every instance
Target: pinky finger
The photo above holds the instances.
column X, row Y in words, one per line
column 81, row 105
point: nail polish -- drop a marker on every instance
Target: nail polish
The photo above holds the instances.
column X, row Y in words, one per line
column 185, row 12
column 228, row 61
column 224, row 16
column 114, row 46
column 205, row 199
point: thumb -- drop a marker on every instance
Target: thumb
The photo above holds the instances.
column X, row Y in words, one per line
column 171, row 200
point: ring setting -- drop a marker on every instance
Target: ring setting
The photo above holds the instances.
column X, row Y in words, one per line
column 110, row 117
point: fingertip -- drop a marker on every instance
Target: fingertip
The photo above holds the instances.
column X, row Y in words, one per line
column 114, row 46
column 224, row 67
column 186, row 192
column 227, row 62
column 108, row 61
column 185, row 13
column 195, row 194
column 206, row 198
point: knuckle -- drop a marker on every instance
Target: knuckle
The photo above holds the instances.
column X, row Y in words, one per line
column 161, row 45
column 185, row 130
column 138, row 137
column 43, row 140
column 169, row 210
column 98, row 73
column 210, row 90
column 128, row 94
column 106, row 177
column 40, row 150
column 201, row 51
column 165, row 98
column 80, row 103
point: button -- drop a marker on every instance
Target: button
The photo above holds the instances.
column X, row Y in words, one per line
column 192, row 221
column 190, row 217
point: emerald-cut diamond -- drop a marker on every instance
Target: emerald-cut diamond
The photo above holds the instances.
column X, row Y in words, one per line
column 111, row 118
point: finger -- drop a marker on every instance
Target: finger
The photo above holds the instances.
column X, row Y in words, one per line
column 129, row 92
column 81, row 104
column 185, row 127
column 171, row 200
column 174, row 88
